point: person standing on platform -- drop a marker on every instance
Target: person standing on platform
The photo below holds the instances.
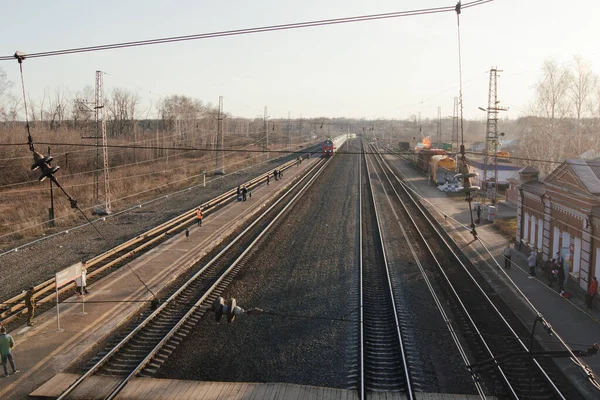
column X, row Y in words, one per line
column 6, row 344
column 592, row 292
column 244, row 192
column 531, row 261
column 30, row 304
column 199, row 216
column 239, row 193
column 268, row 179
column 275, row 174
column 561, row 279
column 81, row 282
column 507, row 256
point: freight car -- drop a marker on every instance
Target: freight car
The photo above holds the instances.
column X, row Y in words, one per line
column 442, row 167
column 404, row 146
column 424, row 158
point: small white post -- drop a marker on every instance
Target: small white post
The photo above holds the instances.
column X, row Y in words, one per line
column 57, row 312
column 203, row 178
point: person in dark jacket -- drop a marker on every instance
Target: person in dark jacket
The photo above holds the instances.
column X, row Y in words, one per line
column 244, row 192
column 561, row 279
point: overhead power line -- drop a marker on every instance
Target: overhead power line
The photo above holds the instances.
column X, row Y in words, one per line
column 246, row 31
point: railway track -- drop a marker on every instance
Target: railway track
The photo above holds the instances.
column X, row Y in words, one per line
column 481, row 319
column 383, row 363
column 142, row 350
column 120, row 255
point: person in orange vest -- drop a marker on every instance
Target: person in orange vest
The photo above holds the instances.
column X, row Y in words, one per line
column 199, row 216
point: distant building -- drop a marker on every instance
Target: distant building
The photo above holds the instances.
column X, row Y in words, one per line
column 478, row 146
column 562, row 214
column 506, row 169
column 523, row 175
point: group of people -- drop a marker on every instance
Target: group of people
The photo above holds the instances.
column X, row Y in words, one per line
column 555, row 270
column 242, row 193
column 277, row 174
column 7, row 342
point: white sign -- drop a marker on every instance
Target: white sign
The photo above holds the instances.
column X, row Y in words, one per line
column 68, row 275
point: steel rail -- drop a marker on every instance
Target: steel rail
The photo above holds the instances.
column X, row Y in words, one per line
column 409, row 389
column 472, row 278
column 193, row 308
column 438, row 302
column 95, row 266
column 363, row 394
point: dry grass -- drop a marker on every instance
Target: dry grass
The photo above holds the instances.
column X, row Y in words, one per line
column 24, row 202
column 507, row 227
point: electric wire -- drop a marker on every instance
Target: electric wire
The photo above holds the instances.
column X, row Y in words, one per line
column 245, row 31
column 57, row 183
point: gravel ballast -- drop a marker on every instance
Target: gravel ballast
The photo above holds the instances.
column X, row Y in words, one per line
column 301, row 278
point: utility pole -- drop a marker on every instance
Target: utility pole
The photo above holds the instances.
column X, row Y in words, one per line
column 289, row 132
column 438, row 136
column 101, row 183
column 455, row 142
column 102, row 188
column 490, row 173
column 220, row 167
column 266, row 127
column 51, row 210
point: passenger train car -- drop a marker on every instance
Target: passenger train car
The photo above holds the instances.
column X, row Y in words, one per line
column 327, row 148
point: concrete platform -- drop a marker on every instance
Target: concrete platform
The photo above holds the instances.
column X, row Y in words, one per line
column 569, row 318
column 172, row 389
column 41, row 351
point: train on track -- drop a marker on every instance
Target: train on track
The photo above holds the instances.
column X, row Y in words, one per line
column 327, row 148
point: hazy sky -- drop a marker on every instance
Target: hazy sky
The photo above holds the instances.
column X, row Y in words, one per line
column 387, row 68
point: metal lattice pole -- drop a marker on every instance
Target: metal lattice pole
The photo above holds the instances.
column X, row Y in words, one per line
column 220, row 164
column 455, row 142
column 266, row 126
column 490, row 173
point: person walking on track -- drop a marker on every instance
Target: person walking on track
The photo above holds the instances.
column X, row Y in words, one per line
column 30, row 304
column 6, row 344
column 507, row 255
column 592, row 292
column 199, row 216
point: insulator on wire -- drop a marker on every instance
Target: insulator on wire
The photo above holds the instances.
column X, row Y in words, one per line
column 231, row 310
column 43, row 163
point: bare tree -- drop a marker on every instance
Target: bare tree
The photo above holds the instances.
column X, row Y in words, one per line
column 544, row 132
column 58, row 109
column 121, row 112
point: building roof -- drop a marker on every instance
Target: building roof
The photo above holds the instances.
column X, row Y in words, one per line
column 588, row 173
column 527, row 170
column 534, row 187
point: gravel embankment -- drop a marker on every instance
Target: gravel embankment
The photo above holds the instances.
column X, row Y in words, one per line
column 307, row 268
column 39, row 262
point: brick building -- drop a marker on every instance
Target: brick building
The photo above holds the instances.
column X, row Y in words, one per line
column 562, row 214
